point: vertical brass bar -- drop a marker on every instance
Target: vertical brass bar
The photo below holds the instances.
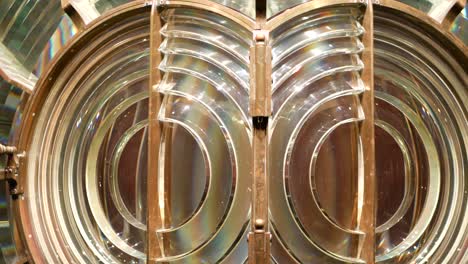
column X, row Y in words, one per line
column 259, row 237
column 260, row 172
column 154, row 247
column 368, row 213
column 260, row 111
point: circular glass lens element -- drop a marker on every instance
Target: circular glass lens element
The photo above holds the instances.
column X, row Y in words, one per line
column 86, row 194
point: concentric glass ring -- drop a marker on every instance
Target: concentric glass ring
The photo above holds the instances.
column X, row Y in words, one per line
column 88, row 155
column 421, row 91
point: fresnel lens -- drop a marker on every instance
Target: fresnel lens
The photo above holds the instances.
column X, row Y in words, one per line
column 233, row 131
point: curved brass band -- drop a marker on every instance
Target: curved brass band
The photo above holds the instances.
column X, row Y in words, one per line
column 210, row 6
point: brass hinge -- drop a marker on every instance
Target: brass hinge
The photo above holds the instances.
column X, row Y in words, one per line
column 10, row 172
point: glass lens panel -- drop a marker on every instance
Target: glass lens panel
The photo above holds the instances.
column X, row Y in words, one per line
column 88, row 200
column 460, row 26
column 316, row 83
column 61, row 36
column 26, row 27
column 276, row 6
column 105, row 5
column 206, row 137
column 244, row 6
column 421, row 110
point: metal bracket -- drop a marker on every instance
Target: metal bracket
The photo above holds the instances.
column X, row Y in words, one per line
column 10, row 172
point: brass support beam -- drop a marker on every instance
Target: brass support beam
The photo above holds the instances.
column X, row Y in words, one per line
column 260, row 109
column 452, row 13
column 70, row 10
column 368, row 214
column 81, row 13
column 154, row 222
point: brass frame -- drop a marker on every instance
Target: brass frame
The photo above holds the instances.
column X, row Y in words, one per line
column 29, row 250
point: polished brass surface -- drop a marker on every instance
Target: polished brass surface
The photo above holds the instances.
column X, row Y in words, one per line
column 260, row 74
